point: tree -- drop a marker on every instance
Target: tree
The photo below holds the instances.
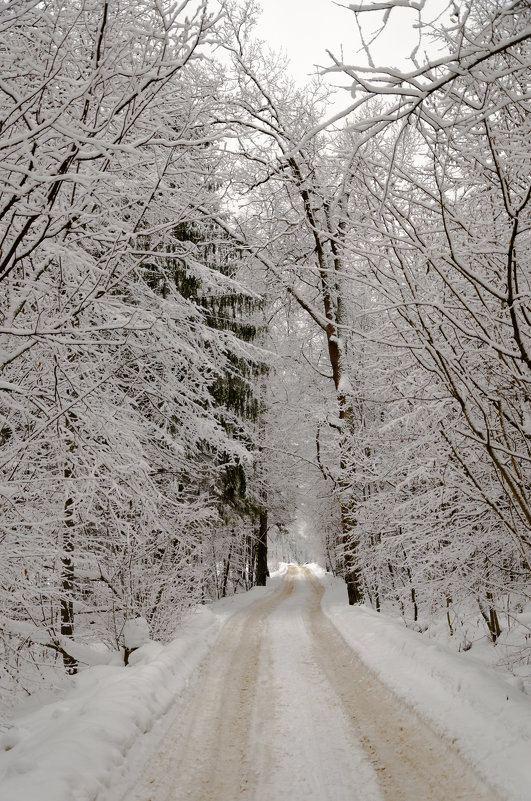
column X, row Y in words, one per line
column 448, row 232
column 108, row 369
column 377, row 232
column 236, row 313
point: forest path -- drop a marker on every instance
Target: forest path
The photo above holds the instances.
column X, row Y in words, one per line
column 284, row 708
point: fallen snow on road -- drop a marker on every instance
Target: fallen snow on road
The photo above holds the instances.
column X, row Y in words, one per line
column 486, row 717
column 304, row 746
column 263, row 722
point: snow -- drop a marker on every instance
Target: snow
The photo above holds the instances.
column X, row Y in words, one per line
column 92, row 742
column 345, row 387
column 136, row 632
column 486, row 717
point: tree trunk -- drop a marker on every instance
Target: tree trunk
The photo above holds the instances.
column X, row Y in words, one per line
column 410, row 578
column 226, row 573
column 490, row 616
column 352, row 575
column 448, row 620
column 67, row 584
column 261, row 550
column 393, row 584
column 350, row 543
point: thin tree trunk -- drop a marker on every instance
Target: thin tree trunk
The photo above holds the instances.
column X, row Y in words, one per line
column 67, row 582
column 414, row 602
column 448, row 605
column 413, row 591
column 226, row 573
column 261, row 550
column 490, row 616
column 393, row 584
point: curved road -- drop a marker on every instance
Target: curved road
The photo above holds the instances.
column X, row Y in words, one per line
column 284, row 708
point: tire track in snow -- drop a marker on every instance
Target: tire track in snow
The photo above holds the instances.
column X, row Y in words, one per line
column 412, row 761
column 205, row 756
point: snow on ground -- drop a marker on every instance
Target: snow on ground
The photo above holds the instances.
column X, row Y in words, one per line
column 485, row 716
column 92, row 741
column 75, row 747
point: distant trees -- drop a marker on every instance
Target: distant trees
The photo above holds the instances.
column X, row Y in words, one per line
column 299, row 201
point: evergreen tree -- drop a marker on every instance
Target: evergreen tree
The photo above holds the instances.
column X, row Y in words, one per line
column 229, row 477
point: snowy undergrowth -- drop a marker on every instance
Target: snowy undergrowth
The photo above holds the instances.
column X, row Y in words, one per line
column 75, row 747
column 511, row 655
column 482, row 711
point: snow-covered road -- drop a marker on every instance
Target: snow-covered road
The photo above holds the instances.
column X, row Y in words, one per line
column 284, row 708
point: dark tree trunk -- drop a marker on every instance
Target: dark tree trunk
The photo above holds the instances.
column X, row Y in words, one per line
column 350, row 543
column 413, row 592
column 67, row 585
column 393, row 584
column 354, row 591
column 414, row 602
column 261, row 550
column 490, row 616
column 448, row 619
column 226, row 574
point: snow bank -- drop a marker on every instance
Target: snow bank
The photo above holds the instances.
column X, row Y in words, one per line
column 487, row 718
column 73, row 748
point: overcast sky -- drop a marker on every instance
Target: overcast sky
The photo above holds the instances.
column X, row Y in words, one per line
column 305, row 29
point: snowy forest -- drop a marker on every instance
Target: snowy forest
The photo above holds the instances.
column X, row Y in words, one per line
column 237, row 321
